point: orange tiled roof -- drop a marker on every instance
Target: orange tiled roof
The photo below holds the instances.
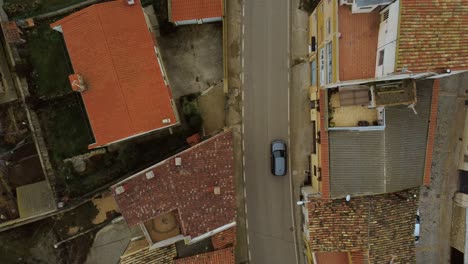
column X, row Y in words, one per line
column 111, row 48
column 195, row 9
column 223, row 256
column 358, row 43
column 433, row 35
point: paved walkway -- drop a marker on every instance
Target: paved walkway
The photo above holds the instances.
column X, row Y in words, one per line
column 435, row 204
column 301, row 128
column 3, row 15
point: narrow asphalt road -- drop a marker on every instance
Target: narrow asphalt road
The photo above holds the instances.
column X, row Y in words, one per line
column 265, row 115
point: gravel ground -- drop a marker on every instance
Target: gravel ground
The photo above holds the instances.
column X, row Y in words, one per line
column 193, row 57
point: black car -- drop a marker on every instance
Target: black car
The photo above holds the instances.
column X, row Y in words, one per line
column 279, row 158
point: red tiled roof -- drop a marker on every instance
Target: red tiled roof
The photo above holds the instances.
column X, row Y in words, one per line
column 223, row 256
column 359, row 257
column 431, row 132
column 110, row 46
column 224, row 239
column 332, row 258
column 188, row 188
column 12, row 32
column 357, row 43
column 195, row 9
column 382, row 225
column 432, row 35
column 324, row 150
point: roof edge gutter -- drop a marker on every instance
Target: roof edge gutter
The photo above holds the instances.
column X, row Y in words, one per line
column 190, row 241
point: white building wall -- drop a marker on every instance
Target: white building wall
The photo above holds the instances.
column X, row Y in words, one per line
column 388, row 34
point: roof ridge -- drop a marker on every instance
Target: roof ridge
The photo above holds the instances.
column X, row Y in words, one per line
column 114, row 69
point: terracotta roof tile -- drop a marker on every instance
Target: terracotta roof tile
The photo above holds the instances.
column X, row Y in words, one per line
column 110, row 46
column 431, row 132
column 224, row 239
column 150, row 256
column 188, row 187
column 358, row 43
column 12, row 32
column 223, row 256
column 432, row 35
column 324, row 148
column 382, row 224
column 195, row 9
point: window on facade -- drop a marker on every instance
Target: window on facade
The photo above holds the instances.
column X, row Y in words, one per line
column 329, row 62
column 384, row 16
column 328, row 26
column 313, row 43
column 314, row 73
column 381, row 57
column 322, row 66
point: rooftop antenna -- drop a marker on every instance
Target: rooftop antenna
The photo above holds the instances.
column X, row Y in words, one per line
column 412, row 107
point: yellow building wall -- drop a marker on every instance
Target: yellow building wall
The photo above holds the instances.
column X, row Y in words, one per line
column 326, row 10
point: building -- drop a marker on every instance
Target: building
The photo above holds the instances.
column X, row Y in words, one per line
column 374, row 95
column 366, row 229
column 221, row 256
column 118, row 71
column 188, row 197
column 138, row 251
column 183, row 12
column 368, row 60
column 360, row 39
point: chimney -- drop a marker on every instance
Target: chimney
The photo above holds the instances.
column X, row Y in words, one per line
column 77, row 83
column 149, row 175
column 178, row 161
column 217, row 190
column 120, row 190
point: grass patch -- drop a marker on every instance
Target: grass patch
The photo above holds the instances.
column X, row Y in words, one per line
column 48, row 56
column 191, row 111
column 129, row 159
column 29, row 8
column 32, row 243
column 66, row 130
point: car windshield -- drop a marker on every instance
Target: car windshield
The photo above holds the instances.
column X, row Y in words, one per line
column 278, row 153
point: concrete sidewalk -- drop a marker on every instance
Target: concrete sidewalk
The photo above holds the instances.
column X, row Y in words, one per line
column 110, row 243
column 233, row 19
column 300, row 126
column 435, row 201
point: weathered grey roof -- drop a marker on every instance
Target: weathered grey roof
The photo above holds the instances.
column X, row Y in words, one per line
column 405, row 141
column 373, row 162
column 356, row 162
column 360, row 3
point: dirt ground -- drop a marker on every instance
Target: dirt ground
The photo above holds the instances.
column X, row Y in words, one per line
column 211, row 106
column 104, row 205
column 436, row 200
column 193, row 57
